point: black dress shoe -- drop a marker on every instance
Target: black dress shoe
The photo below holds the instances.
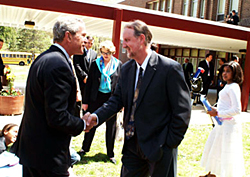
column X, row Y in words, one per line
column 112, row 160
column 81, row 152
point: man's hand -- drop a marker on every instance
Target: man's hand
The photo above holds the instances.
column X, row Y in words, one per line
column 91, row 121
column 85, row 79
column 85, row 107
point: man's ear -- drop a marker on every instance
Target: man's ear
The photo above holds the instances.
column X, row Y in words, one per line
column 142, row 38
column 68, row 35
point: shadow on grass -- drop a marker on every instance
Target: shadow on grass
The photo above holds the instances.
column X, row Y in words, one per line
column 100, row 157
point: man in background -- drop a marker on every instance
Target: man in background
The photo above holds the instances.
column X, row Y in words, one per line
column 208, row 75
column 48, row 121
column 83, row 62
column 234, row 19
column 188, row 70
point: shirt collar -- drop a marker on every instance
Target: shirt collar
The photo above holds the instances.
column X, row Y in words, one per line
column 145, row 62
column 62, row 49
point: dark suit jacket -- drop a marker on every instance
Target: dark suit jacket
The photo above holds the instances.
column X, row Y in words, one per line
column 82, row 66
column 93, row 83
column 1, row 70
column 187, row 70
column 204, row 75
column 48, row 122
column 163, row 106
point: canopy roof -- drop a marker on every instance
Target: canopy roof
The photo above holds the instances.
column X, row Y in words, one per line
column 170, row 29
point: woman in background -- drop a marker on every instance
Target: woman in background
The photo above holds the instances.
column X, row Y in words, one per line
column 103, row 76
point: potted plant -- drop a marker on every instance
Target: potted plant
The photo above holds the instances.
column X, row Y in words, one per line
column 11, row 99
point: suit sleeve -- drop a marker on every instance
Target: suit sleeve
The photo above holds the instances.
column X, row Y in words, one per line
column 89, row 84
column 58, row 83
column 180, row 103
column 113, row 105
column 79, row 70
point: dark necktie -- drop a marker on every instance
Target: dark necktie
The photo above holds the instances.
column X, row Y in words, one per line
column 130, row 128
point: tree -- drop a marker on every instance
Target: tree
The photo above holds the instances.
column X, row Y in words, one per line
column 33, row 41
column 9, row 35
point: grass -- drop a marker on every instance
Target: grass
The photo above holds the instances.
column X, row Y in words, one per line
column 95, row 163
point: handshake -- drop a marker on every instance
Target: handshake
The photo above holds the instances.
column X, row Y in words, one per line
column 90, row 120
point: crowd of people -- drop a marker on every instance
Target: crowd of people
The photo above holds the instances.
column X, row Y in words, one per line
column 65, row 97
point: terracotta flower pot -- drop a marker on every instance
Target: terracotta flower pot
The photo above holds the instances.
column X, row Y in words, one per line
column 11, row 104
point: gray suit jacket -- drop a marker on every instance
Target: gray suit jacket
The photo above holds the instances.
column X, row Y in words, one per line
column 163, row 106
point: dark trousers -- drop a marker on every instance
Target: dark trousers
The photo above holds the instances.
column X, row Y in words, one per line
column 32, row 172
column 110, row 127
column 135, row 163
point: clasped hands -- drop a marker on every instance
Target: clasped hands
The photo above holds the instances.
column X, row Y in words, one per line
column 90, row 120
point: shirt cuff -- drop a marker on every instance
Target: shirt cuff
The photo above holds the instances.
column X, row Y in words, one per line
column 84, row 124
column 97, row 119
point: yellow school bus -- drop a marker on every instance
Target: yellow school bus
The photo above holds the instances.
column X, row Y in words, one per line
column 18, row 58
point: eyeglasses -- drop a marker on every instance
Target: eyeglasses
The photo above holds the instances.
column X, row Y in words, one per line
column 104, row 53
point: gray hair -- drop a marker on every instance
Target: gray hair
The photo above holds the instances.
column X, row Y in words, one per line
column 139, row 28
column 64, row 24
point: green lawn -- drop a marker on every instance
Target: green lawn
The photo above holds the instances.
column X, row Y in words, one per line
column 95, row 163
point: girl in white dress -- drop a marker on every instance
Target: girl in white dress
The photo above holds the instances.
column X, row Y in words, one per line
column 223, row 153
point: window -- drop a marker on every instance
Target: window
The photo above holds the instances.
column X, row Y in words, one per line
column 150, row 5
column 185, row 7
column 202, row 53
column 156, row 5
column 172, row 52
column 186, row 52
column 194, row 52
column 17, row 55
column 178, row 52
column 3, row 55
column 10, row 55
column 202, row 10
column 162, row 5
column 14, row 55
column 194, row 8
column 221, row 10
column 221, row 54
column 166, row 52
column 169, row 5
column 234, row 5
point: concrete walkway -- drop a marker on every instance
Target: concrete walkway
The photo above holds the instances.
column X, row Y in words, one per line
column 198, row 115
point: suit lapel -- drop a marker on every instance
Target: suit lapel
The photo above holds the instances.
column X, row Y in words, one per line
column 148, row 75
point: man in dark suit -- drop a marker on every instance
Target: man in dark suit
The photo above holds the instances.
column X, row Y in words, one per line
column 82, row 65
column 188, row 70
column 83, row 62
column 156, row 102
column 208, row 75
column 2, row 66
column 48, row 122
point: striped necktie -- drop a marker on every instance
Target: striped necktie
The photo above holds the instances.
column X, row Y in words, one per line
column 130, row 128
